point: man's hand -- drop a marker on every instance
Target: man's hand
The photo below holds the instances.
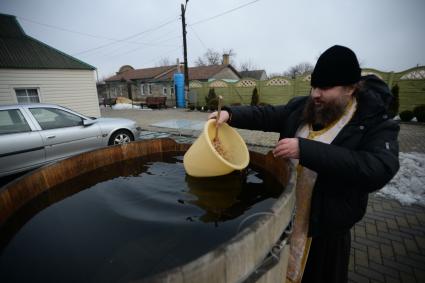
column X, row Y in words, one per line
column 224, row 117
column 287, row 148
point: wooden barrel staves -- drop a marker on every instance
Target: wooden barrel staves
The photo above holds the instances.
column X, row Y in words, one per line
column 250, row 255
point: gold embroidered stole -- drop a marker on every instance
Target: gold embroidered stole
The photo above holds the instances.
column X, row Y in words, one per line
column 306, row 178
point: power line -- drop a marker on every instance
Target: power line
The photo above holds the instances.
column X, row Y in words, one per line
column 128, row 37
column 136, row 49
column 162, row 36
column 165, row 40
column 156, row 58
column 82, row 33
column 223, row 13
column 114, row 53
column 200, row 40
column 65, row 29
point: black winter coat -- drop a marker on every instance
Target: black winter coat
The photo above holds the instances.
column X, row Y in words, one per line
column 361, row 159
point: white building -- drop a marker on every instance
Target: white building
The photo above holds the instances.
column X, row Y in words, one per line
column 31, row 71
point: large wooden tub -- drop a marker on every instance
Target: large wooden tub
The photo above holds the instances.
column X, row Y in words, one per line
column 240, row 259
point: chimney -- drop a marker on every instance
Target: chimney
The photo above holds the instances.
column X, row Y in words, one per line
column 226, row 59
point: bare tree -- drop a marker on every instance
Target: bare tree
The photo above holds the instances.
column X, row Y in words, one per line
column 200, row 62
column 247, row 66
column 164, row 61
column 102, row 79
column 211, row 57
column 300, row 69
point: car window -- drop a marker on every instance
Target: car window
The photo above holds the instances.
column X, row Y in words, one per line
column 52, row 118
column 12, row 121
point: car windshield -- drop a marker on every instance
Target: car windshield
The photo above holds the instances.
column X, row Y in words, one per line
column 83, row 116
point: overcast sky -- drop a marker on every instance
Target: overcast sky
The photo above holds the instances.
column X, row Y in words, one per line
column 273, row 34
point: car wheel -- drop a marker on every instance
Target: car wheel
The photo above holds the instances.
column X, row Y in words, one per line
column 121, row 137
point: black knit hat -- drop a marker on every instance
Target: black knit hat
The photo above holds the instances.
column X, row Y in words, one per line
column 337, row 66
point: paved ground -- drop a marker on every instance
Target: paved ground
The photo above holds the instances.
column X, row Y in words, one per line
column 388, row 244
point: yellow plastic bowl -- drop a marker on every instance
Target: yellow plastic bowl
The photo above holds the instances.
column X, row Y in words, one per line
column 203, row 160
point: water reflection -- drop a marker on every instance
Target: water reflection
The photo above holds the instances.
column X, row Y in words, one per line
column 127, row 168
column 227, row 197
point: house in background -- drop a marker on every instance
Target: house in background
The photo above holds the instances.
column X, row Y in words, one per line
column 214, row 72
column 31, row 71
column 137, row 84
column 260, row 75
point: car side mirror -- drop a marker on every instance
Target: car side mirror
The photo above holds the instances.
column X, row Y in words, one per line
column 87, row 122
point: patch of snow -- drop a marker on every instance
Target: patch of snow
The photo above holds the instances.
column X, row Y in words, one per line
column 408, row 185
column 397, row 118
column 125, row 106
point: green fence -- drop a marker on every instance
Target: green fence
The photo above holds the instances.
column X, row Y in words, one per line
column 278, row 90
column 411, row 85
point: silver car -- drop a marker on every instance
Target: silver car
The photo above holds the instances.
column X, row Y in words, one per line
column 34, row 134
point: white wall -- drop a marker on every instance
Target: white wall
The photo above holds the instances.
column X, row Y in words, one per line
column 75, row 89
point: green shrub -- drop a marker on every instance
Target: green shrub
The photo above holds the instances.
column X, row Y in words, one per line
column 255, row 99
column 406, row 115
column 211, row 100
column 419, row 112
column 393, row 108
column 199, row 108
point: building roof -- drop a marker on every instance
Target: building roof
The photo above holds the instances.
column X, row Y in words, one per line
column 142, row 74
column 166, row 73
column 207, row 72
column 255, row 74
column 20, row 51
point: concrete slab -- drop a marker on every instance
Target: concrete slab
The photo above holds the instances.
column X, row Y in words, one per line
column 182, row 124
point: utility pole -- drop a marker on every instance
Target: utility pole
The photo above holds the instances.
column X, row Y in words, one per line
column 186, row 70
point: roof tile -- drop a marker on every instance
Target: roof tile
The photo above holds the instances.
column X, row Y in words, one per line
column 18, row 50
column 166, row 73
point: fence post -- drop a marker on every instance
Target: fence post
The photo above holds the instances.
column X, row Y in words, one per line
column 257, row 85
column 391, row 79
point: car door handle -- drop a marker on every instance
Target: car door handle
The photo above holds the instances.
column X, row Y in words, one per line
column 51, row 137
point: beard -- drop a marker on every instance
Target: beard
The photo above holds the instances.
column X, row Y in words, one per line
column 324, row 114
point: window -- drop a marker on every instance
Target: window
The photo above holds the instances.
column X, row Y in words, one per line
column 52, row 118
column 12, row 121
column 114, row 92
column 27, row 95
column 164, row 90
column 172, row 90
column 145, row 89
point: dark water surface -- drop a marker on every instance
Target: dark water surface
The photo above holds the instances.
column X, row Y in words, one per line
column 128, row 221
